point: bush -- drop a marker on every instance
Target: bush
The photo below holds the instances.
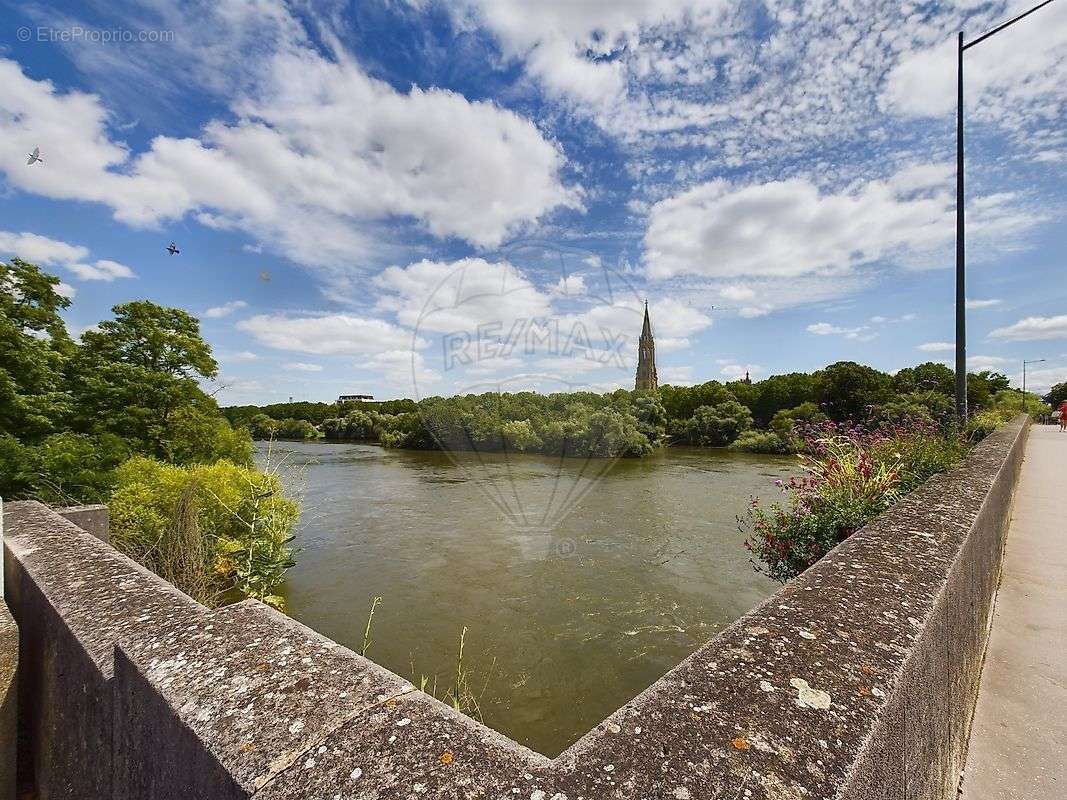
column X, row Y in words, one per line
column 766, row 442
column 64, row 469
column 852, row 476
column 245, row 521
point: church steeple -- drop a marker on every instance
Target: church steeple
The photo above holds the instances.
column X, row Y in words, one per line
column 647, row 380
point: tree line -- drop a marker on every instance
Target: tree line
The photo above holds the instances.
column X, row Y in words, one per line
column 762, row 416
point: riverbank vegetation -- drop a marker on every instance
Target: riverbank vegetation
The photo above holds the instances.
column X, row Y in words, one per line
column 766, row 416
column 852, row 473
column 118, row 416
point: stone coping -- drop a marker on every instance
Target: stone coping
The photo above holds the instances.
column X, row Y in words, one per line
column 856, row 680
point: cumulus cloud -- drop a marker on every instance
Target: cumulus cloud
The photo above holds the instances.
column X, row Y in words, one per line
column 47, row 252
column 328, row 334
column 788, row 228
column 1034, row 329
column 1007, row 76
column 317, row 154
column 217, row 312
column 40, row 250
column 102, row 270
column 449, row 296
column 861, row 332
column 980, row 363
column 936, row 347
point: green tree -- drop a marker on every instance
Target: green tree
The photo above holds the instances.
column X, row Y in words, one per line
column 1057, row 395
column 651, row 418
column 780, row 392
column 929, row 376
column 718, row 425
column 983, row 386
column 34, row 348
column 137, row 376
column 849, row 390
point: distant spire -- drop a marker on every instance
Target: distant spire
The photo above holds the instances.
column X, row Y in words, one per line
column 646, row 381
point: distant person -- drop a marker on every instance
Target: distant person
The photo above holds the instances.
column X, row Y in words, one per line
column 1063, row 416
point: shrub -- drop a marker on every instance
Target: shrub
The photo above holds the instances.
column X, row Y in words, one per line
column 852, row 475
column 245, row 521
column 765, row 442
column 64, row 469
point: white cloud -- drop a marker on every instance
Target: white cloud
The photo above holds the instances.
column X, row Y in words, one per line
column 65, row 290
column 676, row 376
column 826, row 329
column 569, row 286
column 451, row 296
column 317, row 154
column 302, row 366
column 40, row 250
column 980, row 363
column 241, row 355
column 217, row 312
column 737, row 292
column 936, row 347
column 789, row 228
column 976, row 303
column 1016, row 71
column 102, row 270
column 46, row 252
column 329, row 334
column 1041, row 380
column 738, row 371
column 1033, row 329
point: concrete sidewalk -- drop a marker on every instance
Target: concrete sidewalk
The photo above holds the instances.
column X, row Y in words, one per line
column 1018, row 747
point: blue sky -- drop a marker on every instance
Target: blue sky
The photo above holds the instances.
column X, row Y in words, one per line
column 411, row 197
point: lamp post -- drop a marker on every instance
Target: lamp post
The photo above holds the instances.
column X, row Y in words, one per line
column 961, row 293
column 1031, row 361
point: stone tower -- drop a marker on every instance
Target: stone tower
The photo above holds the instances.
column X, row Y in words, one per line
column 646, row 358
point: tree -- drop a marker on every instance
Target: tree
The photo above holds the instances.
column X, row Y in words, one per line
column 137, row 376
column 781, row 392
column 718, row 425
column 1057, row 395
column 849, row 390
column 930, row 376
column 651, row 418
column 34, row 348
column 983, row 386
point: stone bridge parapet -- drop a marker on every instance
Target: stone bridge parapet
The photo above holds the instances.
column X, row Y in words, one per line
column 856, row 681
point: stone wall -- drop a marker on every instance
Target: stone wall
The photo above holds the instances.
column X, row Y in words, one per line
column 856, row 681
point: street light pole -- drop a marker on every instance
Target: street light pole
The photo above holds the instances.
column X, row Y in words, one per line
column 1031, row 361
column 961, row 291
column 961, row 276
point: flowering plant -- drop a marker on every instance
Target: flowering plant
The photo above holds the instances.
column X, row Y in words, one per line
column 851, row 474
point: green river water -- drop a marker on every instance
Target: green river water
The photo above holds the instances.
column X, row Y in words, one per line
column 578, row 589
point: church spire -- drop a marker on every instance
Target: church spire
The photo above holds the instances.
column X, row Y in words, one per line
column 647, row 380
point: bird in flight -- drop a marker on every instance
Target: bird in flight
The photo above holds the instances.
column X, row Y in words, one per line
column 264, row 277
column 173, row 249
column 35, row 157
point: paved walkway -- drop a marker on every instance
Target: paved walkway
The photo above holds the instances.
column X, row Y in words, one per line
column 1018, row 748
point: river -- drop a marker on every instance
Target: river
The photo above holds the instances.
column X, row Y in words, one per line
column 642, row 566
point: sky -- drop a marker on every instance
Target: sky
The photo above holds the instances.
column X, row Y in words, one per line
column 407, row 198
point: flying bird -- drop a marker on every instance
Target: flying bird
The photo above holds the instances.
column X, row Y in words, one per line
column 264, row 277
column 173, row 249
column 35, row 157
